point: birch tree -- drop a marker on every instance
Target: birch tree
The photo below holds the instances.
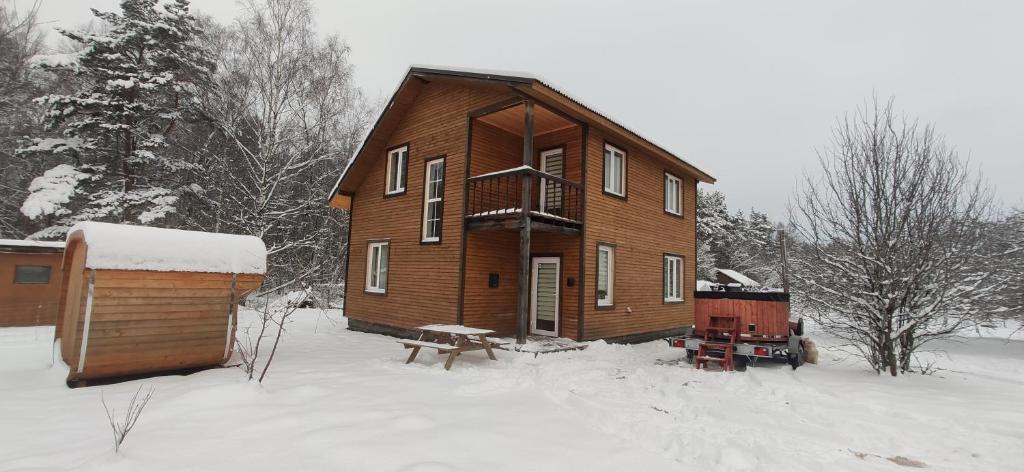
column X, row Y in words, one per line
column 892, row 228
column 288, row 115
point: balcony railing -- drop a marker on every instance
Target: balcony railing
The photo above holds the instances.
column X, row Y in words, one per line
column 499, row 194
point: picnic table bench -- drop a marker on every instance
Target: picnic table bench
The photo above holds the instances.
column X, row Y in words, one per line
column 452, row 340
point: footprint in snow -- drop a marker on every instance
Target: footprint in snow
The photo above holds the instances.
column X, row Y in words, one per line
column 412, row 422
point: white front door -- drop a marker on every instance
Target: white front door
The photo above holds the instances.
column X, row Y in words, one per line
column 544, row 281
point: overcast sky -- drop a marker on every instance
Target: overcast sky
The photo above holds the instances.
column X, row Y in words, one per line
column 744, row 90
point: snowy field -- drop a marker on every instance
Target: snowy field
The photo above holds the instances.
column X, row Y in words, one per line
column 340, row 400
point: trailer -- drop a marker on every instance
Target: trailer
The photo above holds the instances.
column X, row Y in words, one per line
column 737, row 328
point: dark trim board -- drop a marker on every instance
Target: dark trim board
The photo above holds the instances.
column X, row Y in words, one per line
column 375, row 328
column 460, row 303
column 496, row 107
column 646, row 337
column 760, row 296
column 582, row 278
column 348, row 247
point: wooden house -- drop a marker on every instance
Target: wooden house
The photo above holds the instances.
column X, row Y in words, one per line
column 29, row 282
column 137, row 300
column 498, row 201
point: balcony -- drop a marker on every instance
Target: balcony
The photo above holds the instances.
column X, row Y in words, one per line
column 495, row 201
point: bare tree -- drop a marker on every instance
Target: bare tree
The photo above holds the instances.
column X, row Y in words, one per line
column 20, row 40
column 287, row 113
column 121, row 426
column 273, row 317
column 892, row 229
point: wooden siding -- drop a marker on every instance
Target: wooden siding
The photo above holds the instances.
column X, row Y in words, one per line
column 145, row 321
column 29, row 304
column 423, row 280
column 485, row 307
column 497, row 252
column 422, row 284
column 770, row 318
column 642, row 233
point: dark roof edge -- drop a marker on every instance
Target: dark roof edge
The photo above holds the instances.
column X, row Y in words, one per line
column 501, row 77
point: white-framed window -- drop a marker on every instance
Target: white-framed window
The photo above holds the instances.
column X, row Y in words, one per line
column 398, row 161
column 673, row 195
column 614, row 170
column 377, row 267
column 673, row 277
column 433, row 204
column 605, row 275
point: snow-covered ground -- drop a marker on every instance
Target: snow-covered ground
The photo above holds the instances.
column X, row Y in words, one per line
column 340, row 400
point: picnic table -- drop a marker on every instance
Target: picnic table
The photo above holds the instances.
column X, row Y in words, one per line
column 452, row 340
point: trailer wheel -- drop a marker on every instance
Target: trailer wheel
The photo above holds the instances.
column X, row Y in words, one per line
column 689, row 356
column 739, row 362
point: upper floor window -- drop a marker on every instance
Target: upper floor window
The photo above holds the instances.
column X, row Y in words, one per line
column 377, row 267
column 433, row 204
column 398, row 162
column 673, row 277
column 614, row 171
column 673, row 195
column 29, row 274
column 605, row 275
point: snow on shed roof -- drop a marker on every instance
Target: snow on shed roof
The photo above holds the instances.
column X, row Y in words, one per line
column 128, row 247
column 738, row 277
column 29, row 243
column 27, row 246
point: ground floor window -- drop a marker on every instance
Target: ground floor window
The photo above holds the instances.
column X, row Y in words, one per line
column 377, row 267
column 673, row 276
column 605, row 275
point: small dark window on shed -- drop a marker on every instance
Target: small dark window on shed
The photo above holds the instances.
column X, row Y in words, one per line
column 492, row 280
column 31, row 274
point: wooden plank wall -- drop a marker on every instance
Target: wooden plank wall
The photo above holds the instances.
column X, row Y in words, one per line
column 146, row 321
column 29, row 304
column 770, row 317
column 423, row 279
column 492, row 308
column 642, row 233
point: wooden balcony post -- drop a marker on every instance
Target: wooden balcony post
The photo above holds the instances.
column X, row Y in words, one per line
column 523, row 314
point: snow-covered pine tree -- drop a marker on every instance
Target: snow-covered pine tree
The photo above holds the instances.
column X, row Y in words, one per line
column 747, row 243
column 755, row 249
column 139, row 80
column 714, row 233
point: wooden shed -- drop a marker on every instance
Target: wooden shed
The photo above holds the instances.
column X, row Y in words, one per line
column 137, row 300
column 29, row 282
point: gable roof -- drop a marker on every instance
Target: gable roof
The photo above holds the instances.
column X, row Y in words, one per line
column 525, row 84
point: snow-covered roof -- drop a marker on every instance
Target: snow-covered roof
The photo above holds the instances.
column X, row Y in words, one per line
column 740, row 278
column 129, row 247
column 704, row 285
column 24, row 245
